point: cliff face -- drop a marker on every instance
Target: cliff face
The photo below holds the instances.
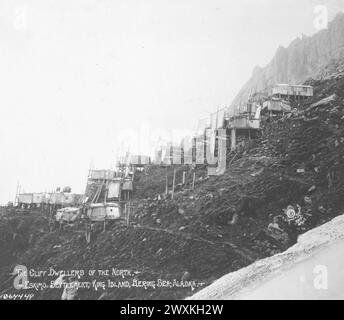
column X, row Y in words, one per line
column 304, row 58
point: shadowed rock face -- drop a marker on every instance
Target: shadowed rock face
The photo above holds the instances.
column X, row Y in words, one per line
column 304, row 58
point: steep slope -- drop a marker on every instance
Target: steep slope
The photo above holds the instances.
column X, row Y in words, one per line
column 221, row 225
column 194, row 236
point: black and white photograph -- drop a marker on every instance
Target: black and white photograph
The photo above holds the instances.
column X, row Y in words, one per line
column 185, row 151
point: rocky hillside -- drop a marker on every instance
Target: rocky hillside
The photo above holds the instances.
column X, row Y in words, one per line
column 304, row 58
column 219, row 227
column 222, row 224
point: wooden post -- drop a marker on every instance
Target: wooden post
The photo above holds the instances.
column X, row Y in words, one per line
column 17, row 192
column 53, row 207
column 166, row 185
column 106, row 191
column 127, row 213
column 120, row 191
column 50, row 223
column 174, row 182
column 217, row 118
column 88, row 232
column 193, row 180
column 184, row 177
column 128, row 216
column 233, row 139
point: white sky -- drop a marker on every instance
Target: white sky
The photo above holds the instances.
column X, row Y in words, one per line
column 76, row 73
